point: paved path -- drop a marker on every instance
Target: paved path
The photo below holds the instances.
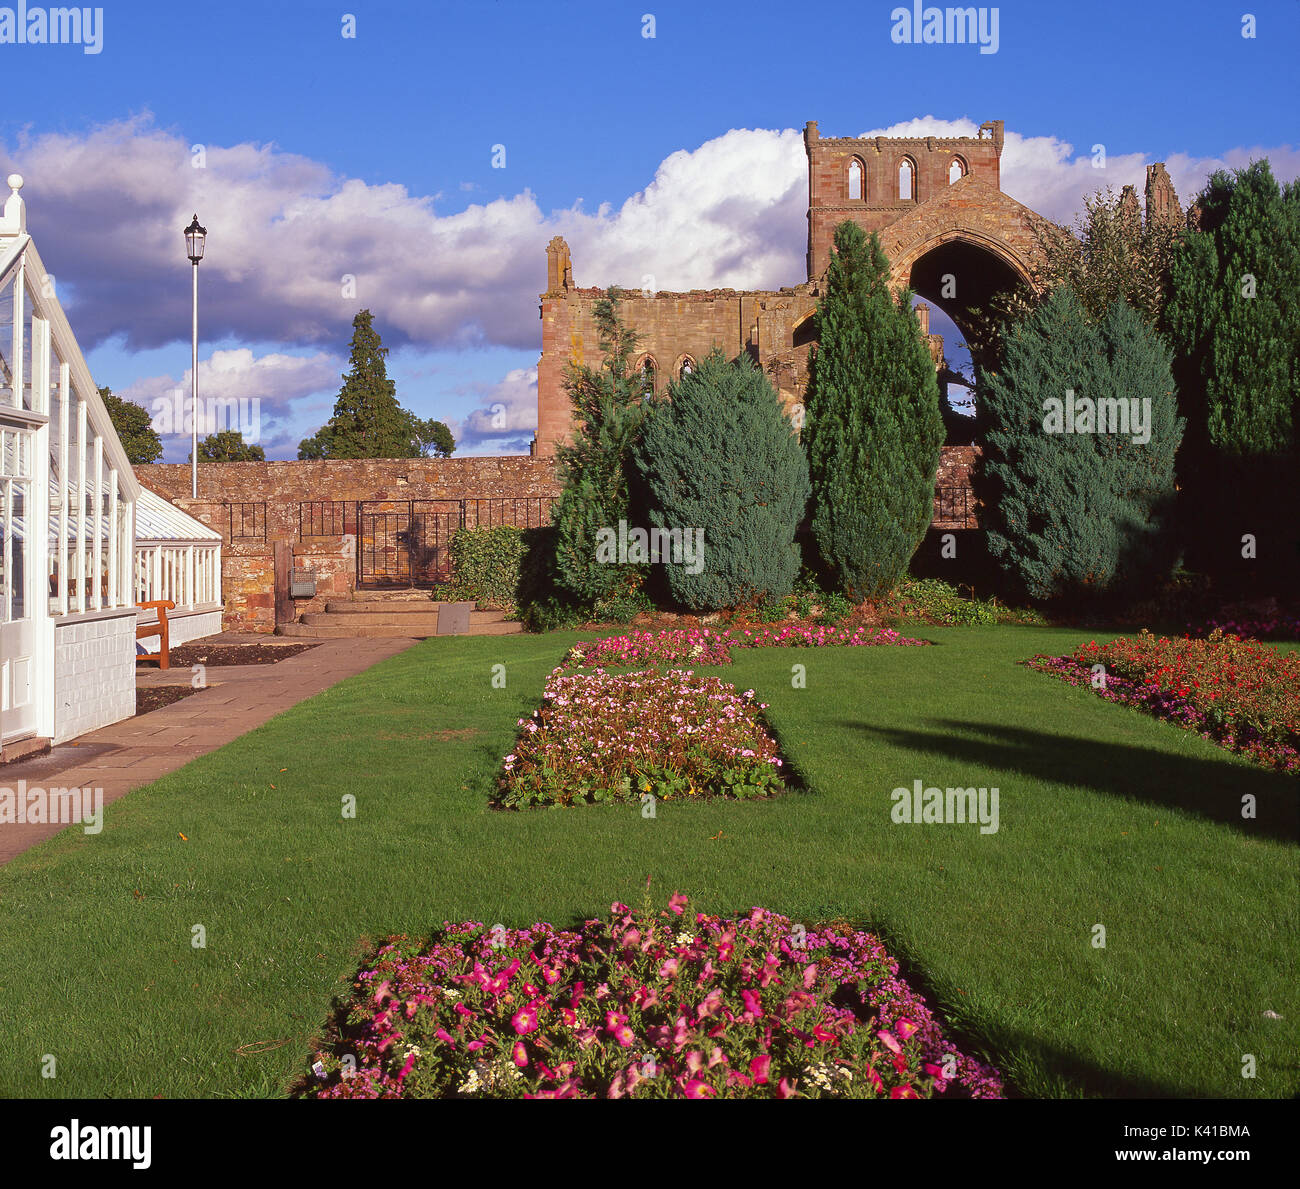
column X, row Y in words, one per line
column 139, row 750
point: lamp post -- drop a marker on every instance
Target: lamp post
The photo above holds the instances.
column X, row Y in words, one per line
column 194, row 239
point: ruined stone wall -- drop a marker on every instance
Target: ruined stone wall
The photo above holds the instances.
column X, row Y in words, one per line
column 673, row 327
column 879, row 158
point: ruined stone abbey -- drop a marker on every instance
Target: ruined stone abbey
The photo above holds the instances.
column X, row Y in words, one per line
column 946, row 227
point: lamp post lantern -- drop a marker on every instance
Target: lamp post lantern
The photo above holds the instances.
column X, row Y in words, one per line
column 194, row 241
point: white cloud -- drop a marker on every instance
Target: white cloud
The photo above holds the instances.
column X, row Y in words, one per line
column 107, row 208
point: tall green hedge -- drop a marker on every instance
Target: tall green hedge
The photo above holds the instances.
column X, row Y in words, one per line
column 487, row 564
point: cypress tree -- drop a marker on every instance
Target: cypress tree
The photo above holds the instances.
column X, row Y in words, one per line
column 595, row 466
column 873, row 428
column 720, row 456
column 1071, row 512
column 1233, row 318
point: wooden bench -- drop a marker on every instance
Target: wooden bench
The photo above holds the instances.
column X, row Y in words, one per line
column 159, row 629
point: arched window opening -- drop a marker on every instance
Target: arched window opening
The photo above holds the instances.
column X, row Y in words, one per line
column 855, row 179
column 648, row 371
column 688, row 366
column 906, row 180
column 956, row 171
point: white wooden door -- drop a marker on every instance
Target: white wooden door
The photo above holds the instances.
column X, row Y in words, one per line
column 19, row 568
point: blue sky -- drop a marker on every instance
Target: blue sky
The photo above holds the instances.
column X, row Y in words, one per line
column 371, row 156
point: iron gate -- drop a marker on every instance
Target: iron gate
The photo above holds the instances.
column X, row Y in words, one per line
column 405, row 542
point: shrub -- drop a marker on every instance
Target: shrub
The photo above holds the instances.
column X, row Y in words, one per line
column 486, row 565
column 720, row 457
column 873, row 428
column 648, row 1005
column 600, row 737
column 1076, row 515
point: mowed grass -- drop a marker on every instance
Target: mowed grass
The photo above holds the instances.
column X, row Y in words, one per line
column 1106, row 818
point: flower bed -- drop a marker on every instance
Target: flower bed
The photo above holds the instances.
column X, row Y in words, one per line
column 643, row 1006
column 1241, row 694
column 705, row 647
column 1270, row 627
column 601, row 737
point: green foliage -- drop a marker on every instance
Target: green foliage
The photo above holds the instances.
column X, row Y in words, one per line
column 432, row 438
column 720, row 456
column 368, row 421
column 834, row 607
column 932, row 600
column 487, row 565
column 873, row 428
column 594, row 466
column 134, row 428
column 1237, row 365
column 1239, row 355
column 229, row 446
column 1111, row 254
column 1081, row 513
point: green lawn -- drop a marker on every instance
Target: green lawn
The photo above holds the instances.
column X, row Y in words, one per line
column 1107, row 817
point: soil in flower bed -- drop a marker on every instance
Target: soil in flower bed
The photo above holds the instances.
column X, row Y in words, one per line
column 155, row 697
column 601, row 737
column 1243, row 695
column 641, row 1005
column 230, row 654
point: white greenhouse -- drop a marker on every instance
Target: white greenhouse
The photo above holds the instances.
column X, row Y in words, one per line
column 176, row 558
column 69, row 569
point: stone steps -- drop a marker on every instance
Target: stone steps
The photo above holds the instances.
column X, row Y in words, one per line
column 411, row 617
column 387, row 617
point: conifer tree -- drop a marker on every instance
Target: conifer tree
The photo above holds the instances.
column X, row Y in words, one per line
column 720, row 456
column 368, row 422
column 594, row 467
column 873, row 428
column 1072, row 512
column 1233, row 319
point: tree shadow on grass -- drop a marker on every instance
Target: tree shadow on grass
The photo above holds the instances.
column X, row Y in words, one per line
column 1214, row 790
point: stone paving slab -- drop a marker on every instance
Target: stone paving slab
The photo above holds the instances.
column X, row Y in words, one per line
column 137, row 751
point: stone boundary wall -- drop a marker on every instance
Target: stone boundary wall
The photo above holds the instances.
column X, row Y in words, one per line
column 248, row 566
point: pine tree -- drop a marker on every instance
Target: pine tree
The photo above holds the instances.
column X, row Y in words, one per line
column 594, row 467
column 1233, row 318
column 873, row 428
column 720, row 456
column 1071, row 512
column 368, row 422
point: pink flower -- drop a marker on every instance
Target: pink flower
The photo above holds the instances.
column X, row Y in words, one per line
column 759, row 1067
column 890, row 1043
column 677, row 902
column 525, row 1020
column 697, row 1088
column 904, row 1028
column 520, row 1054
column 668, row 969
column 785, row 1088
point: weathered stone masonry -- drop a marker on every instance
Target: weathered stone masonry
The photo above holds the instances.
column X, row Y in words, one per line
column 248, row 587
